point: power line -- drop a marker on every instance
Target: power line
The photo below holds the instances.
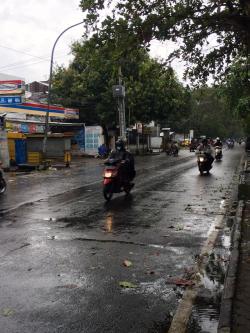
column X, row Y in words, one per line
column 22, row 52
column 25, row 63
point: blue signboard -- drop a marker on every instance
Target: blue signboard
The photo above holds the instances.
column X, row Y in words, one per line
column 7, row 100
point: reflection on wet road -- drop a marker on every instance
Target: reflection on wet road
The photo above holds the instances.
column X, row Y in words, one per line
column 62, row 257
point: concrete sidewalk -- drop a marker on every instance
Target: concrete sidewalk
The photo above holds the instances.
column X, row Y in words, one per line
column 235, row 305
column 241, row 301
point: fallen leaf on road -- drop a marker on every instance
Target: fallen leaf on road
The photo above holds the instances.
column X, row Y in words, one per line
column 7, row 312
column 179, row 227
column 127, row 263
column 126, row 284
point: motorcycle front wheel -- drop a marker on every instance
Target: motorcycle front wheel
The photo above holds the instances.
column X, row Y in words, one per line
column 2, row 186
column 108, row 191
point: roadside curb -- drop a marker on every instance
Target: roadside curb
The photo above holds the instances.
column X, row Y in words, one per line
column 235, row 220
column 225, row 319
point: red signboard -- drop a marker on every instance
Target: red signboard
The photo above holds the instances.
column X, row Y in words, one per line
column 15, row 87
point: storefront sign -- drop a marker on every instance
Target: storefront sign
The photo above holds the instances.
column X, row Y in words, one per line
column 8, row 87
column 71, row 113
column 7, row 100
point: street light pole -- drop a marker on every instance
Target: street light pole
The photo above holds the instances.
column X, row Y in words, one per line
column 46, row 129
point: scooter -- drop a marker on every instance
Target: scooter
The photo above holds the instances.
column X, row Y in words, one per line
column 174, row 151
column 203, row 164
column 114, row 180
column 3, row 184
column 218, row 153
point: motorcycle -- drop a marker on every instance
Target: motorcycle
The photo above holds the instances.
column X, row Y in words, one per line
column 203, row 164
column 218, row 153
column 230, row 144
column 3, row 184
column 174, row 151
column 193, row 146
column 114, row 180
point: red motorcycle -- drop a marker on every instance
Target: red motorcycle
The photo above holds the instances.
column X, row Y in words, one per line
column 116, row 178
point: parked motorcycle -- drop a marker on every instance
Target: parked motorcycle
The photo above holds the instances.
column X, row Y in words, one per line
column 203, row 164
column 218, row 153
column 115, row 179
column 3, row 184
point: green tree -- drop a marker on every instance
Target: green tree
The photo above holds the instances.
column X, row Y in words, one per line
column 236, row 91
column 193, row 23
column 211, row 115
column 152, row 89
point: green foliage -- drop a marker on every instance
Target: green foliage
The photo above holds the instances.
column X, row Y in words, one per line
column 236, row 91
column 152, row 89
column 211, row 115
column 193, row 23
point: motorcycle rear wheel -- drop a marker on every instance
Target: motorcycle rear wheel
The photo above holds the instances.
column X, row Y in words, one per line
column 128, row 188
column 108, row 191
column 3, row 186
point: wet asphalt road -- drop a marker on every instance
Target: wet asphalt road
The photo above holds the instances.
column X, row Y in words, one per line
column 62, row 250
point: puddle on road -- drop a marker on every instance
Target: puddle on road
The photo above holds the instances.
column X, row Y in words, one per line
column 205, row 319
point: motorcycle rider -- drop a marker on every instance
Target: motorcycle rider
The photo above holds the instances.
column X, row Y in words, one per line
column 207, row 149
column 218, row 143
column 128, row 164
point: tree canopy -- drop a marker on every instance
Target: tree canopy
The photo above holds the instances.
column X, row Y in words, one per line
column 152, row 90
column 211, row 34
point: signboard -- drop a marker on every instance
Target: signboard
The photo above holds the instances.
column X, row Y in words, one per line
column 71, row 113
column 16, row 116
column 6, row 100
column 12, row 87
column 191, row 134
column 24, row 128
column 146, row 130
column 4, row 150
column 139, row 128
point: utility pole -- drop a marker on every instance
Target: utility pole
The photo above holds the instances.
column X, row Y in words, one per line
column 119, row 94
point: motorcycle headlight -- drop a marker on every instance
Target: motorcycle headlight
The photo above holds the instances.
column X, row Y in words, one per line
column 201, row 159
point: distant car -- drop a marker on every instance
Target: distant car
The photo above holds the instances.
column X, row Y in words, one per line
column 247, row 146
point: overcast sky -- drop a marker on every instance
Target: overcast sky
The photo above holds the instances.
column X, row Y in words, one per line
column 29, row 29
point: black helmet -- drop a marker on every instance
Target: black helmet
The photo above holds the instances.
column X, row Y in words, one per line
column 205, row 141
column 120, row 145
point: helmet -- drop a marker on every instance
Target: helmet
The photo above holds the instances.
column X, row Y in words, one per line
column 217, row 139
column 205, row 141
column 120, row 145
